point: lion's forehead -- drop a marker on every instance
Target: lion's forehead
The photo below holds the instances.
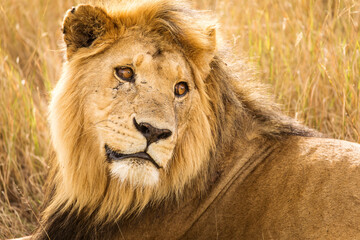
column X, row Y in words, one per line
column 150, row 58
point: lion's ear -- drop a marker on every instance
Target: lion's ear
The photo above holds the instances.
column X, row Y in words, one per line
column 211, row 35
column 83, row 25
column 211, row 31
column 203, row 47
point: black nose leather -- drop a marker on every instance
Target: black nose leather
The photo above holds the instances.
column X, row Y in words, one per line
column 152, row 134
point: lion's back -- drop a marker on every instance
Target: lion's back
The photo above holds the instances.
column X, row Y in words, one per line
column 309, row 189
column 317, row 190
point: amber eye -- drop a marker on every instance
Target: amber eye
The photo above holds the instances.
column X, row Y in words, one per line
column 181, row 89
column 125, row 73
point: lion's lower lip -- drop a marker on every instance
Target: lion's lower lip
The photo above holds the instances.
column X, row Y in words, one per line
column 116, row 156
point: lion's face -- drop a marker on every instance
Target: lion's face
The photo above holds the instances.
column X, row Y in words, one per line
column 138, row 99
column 131, row 118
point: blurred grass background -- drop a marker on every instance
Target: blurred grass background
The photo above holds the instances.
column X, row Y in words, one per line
column 308, row 50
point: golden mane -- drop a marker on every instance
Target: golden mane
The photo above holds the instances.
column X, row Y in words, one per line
column 100, row 201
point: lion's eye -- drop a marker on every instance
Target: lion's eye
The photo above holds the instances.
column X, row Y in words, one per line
column 125, row 73
column 181, row 89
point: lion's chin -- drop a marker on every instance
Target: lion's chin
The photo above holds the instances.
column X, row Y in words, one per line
column 137, row 174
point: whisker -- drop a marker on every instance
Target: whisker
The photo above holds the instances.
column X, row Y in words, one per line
column 105, row 120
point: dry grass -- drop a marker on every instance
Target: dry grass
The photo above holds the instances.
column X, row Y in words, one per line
column 308, row 50
column 29, row 64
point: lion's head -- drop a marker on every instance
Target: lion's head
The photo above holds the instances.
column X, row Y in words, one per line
column 146, row 111
column 130, row 117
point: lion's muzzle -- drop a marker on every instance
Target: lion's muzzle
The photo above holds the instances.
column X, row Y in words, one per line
column 151, row 134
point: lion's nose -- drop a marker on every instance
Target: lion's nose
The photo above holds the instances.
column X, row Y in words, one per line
column 152, row 134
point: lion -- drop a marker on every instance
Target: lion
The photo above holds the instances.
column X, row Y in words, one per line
column 159, row 134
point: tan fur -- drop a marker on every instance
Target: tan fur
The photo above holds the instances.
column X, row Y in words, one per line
column 67, row 98
column 224, row 128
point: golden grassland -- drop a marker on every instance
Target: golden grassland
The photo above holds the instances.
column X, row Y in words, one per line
column 308, row 50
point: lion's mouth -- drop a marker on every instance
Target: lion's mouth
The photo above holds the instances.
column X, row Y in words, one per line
column 113, row 155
